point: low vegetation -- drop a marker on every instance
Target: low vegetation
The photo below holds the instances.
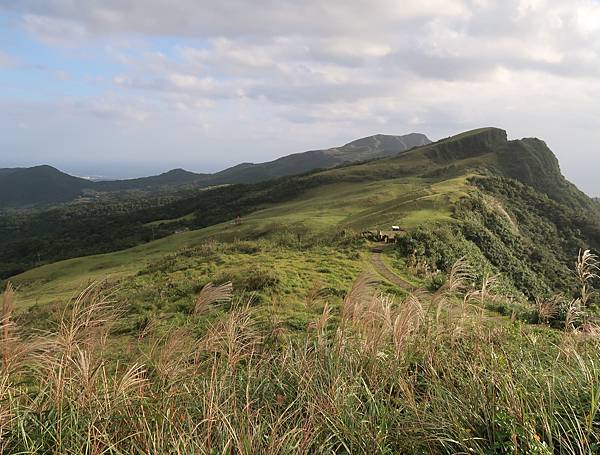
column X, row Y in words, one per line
column 418, row 186
column 433, row 372
column 509, row 229
column 272, row 335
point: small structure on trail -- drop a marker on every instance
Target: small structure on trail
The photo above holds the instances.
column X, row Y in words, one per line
column 387, row 236
column 390, row 236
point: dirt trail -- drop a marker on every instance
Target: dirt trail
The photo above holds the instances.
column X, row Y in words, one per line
column 384, row 271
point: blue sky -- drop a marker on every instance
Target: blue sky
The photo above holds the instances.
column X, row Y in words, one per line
column 131, row 87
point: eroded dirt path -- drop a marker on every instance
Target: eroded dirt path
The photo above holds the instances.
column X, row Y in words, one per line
column 385, row 272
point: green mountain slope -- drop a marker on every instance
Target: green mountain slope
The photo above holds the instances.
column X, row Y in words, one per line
column 38, row 185
column 256, row 321
column 503, row 202
column 364, row 149
column 44, row 185
column 173, row 178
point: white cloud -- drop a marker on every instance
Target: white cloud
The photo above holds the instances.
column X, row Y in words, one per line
column 54, row 30
column 280, row 76
column 237, row 17
column 113, row 110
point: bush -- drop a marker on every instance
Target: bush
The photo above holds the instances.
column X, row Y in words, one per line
column 251, row 279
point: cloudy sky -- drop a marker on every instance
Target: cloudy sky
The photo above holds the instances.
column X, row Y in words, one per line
column 129, row 87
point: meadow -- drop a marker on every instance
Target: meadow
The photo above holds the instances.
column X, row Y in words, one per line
column 294, row 331
column 369, row 372
column 324, row 213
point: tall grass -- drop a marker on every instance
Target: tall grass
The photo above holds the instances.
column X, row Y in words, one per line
column 427, row 374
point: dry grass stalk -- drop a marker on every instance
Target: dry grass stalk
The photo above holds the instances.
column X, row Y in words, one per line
column 13, row 349
column 487, row 291
column 172, row 355
column 590, row 330
column 547, row 309
column 235, row 336
column 321, row 324
column 314, row 294
column 86, row 373
column 71, row 357
column 6, row 413
column 573, row 315
column 587, row 267
column 211, row 294
column 586, row 270
column 8, row 298
column 461, row 274
column 459, row 277
column 360, row 294
column 87, row 320
column 407, row 322
column 131, row 383
column 375, row 321
column 380, row 321
column 489, row 285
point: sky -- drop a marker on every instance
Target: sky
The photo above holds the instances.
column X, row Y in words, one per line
column 122, row 88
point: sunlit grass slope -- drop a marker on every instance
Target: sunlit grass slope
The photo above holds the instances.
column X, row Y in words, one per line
column 415, row 188
column 325, row 210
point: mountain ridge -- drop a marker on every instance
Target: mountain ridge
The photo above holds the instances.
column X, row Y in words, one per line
column 17, row 191
column 506, row 197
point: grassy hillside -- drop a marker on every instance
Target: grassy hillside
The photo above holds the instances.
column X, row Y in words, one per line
column 351, row 369
column 418, row 188
column 324, row 212
column 296, row 332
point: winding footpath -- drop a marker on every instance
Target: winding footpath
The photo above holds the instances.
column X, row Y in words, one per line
column 385, row 272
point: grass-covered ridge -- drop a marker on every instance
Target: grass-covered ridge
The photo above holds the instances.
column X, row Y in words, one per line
column 319, row 215
column 457, row 189
column 34, row 239
column 297, row 332
column 372, row 373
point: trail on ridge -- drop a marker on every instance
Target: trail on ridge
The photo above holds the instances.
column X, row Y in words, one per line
column 384, row 271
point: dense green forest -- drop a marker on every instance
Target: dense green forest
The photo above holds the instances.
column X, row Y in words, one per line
column 513, row 229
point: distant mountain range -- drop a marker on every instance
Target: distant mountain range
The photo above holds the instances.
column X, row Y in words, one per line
column 43, row 185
